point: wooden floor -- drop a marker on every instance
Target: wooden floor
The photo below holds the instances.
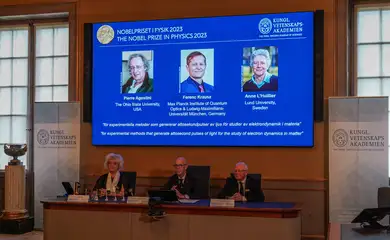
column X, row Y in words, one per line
column 36, row 235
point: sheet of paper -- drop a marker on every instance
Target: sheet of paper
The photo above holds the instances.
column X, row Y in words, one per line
column 188, row 201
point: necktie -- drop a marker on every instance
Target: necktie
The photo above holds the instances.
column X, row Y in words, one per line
column 242, row 190
column 201, row 88
column 180, row 183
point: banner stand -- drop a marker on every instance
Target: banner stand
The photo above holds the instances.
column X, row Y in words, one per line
column 358, row 155
column 56, row 151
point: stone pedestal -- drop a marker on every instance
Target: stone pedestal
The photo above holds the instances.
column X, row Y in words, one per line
column 14, row 218
column 15, row 191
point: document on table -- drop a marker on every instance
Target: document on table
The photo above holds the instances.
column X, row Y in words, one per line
column 188, row 201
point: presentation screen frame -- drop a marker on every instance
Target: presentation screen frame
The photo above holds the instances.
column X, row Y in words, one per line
column 318, row 41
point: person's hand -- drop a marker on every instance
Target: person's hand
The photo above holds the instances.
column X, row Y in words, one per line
column 174, row 187
column 237, row 197
column 179, row 195
column 112, row 194
column 94, row 193
column 118, row 195
column 102, row 192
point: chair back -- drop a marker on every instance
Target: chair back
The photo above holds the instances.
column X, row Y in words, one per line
column 131, row 177
column 202, row 175
column 256, row 176
column 383, row 197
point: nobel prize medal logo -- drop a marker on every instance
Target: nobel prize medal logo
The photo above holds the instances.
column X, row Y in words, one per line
column 265, row 26
column 105, row 34
column 340, row 138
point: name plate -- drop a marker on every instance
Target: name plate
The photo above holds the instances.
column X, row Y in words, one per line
column 78, row 198
column 229, row 203
column 138, row 200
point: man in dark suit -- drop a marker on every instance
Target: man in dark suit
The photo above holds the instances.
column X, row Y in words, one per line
column 183, row 183
column 242, row 187
column 196, row 67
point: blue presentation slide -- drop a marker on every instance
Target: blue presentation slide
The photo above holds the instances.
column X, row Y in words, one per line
column 220, row 81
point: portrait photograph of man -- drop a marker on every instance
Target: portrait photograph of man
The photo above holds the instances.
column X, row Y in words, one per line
column 260, row 69
column 137, row 72
column 197, row 71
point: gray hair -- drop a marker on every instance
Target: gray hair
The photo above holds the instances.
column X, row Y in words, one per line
column 261, row 52
column 113, row 156
column 243, row 164
column 143, row 58
column 182, row 158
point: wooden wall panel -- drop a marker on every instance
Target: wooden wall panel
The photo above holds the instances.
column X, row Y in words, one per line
column 2, row 182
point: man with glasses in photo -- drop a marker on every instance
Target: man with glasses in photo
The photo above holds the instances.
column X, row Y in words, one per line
column 241, row 187
column 181, row 182
column 139, row 81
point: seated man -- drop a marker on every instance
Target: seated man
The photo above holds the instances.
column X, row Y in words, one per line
column 183, row 183
column 241, row 187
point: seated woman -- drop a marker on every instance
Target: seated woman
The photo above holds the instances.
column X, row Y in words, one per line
column 114, row 182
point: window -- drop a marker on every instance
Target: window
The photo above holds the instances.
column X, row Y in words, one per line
column 51, row 74
column 49, row 79
column 13, row 87
column 373, row 53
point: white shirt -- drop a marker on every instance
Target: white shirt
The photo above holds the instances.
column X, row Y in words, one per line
column 243, row 185
column 133, row 88
column 182, row 178
column 182, row 182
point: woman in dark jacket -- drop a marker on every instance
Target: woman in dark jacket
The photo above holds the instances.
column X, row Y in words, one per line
column 113, row 182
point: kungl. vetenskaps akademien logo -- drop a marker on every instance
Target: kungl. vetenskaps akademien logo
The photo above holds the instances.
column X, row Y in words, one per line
column 340, row 138
column 43, row 137
column 265, row 26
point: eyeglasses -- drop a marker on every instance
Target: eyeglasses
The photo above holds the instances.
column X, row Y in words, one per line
column 239, row 171
column 179, row 165
column 136, row 68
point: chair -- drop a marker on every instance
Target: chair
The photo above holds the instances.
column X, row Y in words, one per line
column 202, row 175
column 383, row 197
column 257, row 177
column 131, row 177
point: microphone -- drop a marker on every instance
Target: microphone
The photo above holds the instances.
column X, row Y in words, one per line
column 155, row 210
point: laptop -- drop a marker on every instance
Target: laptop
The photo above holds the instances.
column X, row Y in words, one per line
column 68, row 188
column 164, row 195
column 370, row 217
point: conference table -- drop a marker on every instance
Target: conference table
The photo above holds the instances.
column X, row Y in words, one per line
column 64, row 220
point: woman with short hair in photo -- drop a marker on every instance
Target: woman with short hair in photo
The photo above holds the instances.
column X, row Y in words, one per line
column 262, row 79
